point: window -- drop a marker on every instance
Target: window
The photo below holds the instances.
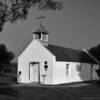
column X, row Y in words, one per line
column 37, row 36
column 44, row 36
column 67, row 69
column 78, row 67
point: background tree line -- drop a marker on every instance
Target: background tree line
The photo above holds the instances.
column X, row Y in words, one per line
column 5, row 58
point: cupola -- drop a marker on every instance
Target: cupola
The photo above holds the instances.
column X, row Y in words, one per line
column 40, row 34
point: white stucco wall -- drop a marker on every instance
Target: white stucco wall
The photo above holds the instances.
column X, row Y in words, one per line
column 95, row 76
column 35, row 52
column 60, row 76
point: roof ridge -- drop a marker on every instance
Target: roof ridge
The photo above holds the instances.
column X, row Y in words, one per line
column 64, row 47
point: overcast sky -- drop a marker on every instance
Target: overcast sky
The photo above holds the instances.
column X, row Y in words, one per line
column 76, row 26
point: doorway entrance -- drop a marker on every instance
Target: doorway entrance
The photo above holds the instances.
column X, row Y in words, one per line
column 34, row 72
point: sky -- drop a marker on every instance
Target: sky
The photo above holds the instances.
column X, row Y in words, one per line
column 76, row 26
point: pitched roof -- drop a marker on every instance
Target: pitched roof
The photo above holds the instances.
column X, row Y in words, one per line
column 71, row 55
column 40, row 28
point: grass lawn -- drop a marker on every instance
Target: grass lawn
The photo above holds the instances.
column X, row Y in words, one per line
column 8, row 91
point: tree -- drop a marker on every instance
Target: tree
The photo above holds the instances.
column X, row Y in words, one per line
column 13, row 10
column 5, row 57
column 95, row 51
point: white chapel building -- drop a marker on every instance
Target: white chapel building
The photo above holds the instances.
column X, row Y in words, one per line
column 45, row 63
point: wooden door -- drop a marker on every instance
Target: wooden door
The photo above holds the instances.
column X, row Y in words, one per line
column 34, row 72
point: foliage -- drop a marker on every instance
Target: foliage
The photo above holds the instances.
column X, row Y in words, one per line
column 5, row 57
column 95, row 51
column 12, row 10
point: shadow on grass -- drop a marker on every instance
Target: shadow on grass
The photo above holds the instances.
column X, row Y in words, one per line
column 8, row 91
column 6, row 88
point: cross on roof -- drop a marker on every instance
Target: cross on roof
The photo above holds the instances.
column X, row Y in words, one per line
column 41, row 17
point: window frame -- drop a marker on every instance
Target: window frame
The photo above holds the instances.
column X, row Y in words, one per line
column 79, row 67
column 67, row 69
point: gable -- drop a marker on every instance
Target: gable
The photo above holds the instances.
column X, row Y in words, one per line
column 71, row 55
column 35, row 49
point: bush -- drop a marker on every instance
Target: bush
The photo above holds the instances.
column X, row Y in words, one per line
column 15, row 79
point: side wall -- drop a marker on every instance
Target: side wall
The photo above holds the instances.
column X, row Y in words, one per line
column 76, row 72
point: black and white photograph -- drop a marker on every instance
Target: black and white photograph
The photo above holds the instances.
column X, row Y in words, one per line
column 49, row 50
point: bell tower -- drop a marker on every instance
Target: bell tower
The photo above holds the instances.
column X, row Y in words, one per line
column 40, row 33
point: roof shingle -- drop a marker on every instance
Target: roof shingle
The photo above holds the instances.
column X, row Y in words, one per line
column 40, row 28
column 71, row 55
